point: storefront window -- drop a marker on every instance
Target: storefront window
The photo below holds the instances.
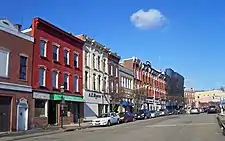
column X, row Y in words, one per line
column 40, row 108
column 67, row 109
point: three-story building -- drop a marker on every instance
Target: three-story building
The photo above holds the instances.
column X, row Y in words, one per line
column 95, row 76
column 113, row 67
column 16, row 54
column 57, row 74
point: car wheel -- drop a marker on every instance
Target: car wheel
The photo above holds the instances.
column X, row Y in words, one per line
column 109, row 123
column 145, row 117
column 118, row 121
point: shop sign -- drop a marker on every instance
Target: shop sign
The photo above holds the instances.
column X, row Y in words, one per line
column 149, row 100
column 67, row 98
column 39, row 95
column 94, row 95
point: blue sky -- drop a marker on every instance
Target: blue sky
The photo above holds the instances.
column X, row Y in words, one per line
column 186, row 35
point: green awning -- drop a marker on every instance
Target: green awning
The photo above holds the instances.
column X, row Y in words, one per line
column 68, row 97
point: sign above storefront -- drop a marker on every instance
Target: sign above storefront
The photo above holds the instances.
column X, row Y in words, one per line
column 40, row 95
column 149, row 100
column 67, row 98
column 95, row 95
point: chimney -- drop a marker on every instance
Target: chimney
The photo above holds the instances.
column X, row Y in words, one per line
column 18, row 26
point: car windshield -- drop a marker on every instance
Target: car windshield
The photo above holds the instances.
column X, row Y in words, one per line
column 152, row 111
column 121, row 114
column 103, row 115
column 141, row 111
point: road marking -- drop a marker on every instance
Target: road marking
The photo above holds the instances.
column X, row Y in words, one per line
column 174, row 125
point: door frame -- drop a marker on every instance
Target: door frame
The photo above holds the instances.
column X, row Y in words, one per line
column 22, row 103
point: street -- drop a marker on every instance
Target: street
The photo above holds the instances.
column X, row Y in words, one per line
column 201, row 127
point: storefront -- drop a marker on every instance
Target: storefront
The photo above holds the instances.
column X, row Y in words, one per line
column 41, row 104
column 73, row 107
column 150, row 103
column 95, row 104
column 126, row 105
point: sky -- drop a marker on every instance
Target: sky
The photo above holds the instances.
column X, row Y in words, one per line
column 185, row 35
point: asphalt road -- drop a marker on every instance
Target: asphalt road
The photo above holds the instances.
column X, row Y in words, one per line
column 201, row 127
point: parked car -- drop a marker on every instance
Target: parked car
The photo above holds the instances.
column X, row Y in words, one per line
column 126, row 117
column 162, row 112
column 212, row 109
column 154, row 113
column 142, row 114
column 106, row 119
column 194, row 111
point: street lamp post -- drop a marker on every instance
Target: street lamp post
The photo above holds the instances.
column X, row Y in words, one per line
column 62, row 106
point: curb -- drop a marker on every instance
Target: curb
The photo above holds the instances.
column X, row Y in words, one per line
column 20, row 137
column 221, row 124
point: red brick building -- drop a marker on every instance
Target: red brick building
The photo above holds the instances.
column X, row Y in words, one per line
column 149, row 83
column 57, row 62
column 16, row 104
column 189, row 97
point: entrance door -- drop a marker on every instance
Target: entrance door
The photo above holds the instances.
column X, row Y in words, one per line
column 76, row 112
column 22, row 118
column 5, row 114
column 52, row 112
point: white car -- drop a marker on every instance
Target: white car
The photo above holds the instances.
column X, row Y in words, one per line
column 106, row 119
column 194, row 111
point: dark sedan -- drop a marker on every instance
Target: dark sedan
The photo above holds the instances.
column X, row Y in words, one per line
column 212, row 109
column 142, row 114
column 126, row 117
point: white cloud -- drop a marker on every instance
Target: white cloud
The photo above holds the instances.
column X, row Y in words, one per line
column 150, row 19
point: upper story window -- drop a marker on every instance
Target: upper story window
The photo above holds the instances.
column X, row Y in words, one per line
column 66, row 81
column 117, row 88
column 104, row 84
column 111, row 70
column 55, row 53
column 104, row 65
column 43, row 48
column 4, row 61
column 116, row 72
column 86, row 58
column 76, row 57
column 23, row 68
column 42, row 76
column 93, row 59
column 66, row 57
column 112, row 89
column 99, row 83
column 94, row 82
column 55, row 79
column 76, row 83
column 137, row 74
column 99, row 61
column 86, row 80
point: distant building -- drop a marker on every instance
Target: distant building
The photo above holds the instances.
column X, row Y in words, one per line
column 209, row 97
column 175, row 89
column 189, row 97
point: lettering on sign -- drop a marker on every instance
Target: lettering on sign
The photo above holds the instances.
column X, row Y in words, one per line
column 95, row 95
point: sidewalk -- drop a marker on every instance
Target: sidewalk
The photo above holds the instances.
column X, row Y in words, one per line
column 12, row 136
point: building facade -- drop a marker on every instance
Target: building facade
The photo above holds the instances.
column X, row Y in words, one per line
column 189, row 97
column 149, row 84
column 16, row 104
column 57, row 74
column 125, row 90
column 113, row 67
column 175, row 89
column 95, row 74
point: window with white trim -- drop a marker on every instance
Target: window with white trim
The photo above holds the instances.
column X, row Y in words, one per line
column 42, row 76
column 66, row 81
column 43, row 48
column 93, row 59
column 111, row 70
column 4, row 61
column 66, row 57
column 75, row 61
column 117, row 88
column 55, row 53
column 76, row 83
column 55, row 79
column 116, row 72
column 112, row 89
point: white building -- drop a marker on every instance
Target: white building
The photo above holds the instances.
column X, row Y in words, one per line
column 95, row 78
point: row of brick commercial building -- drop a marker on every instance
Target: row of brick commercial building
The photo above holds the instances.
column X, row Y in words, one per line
column 44, row 65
